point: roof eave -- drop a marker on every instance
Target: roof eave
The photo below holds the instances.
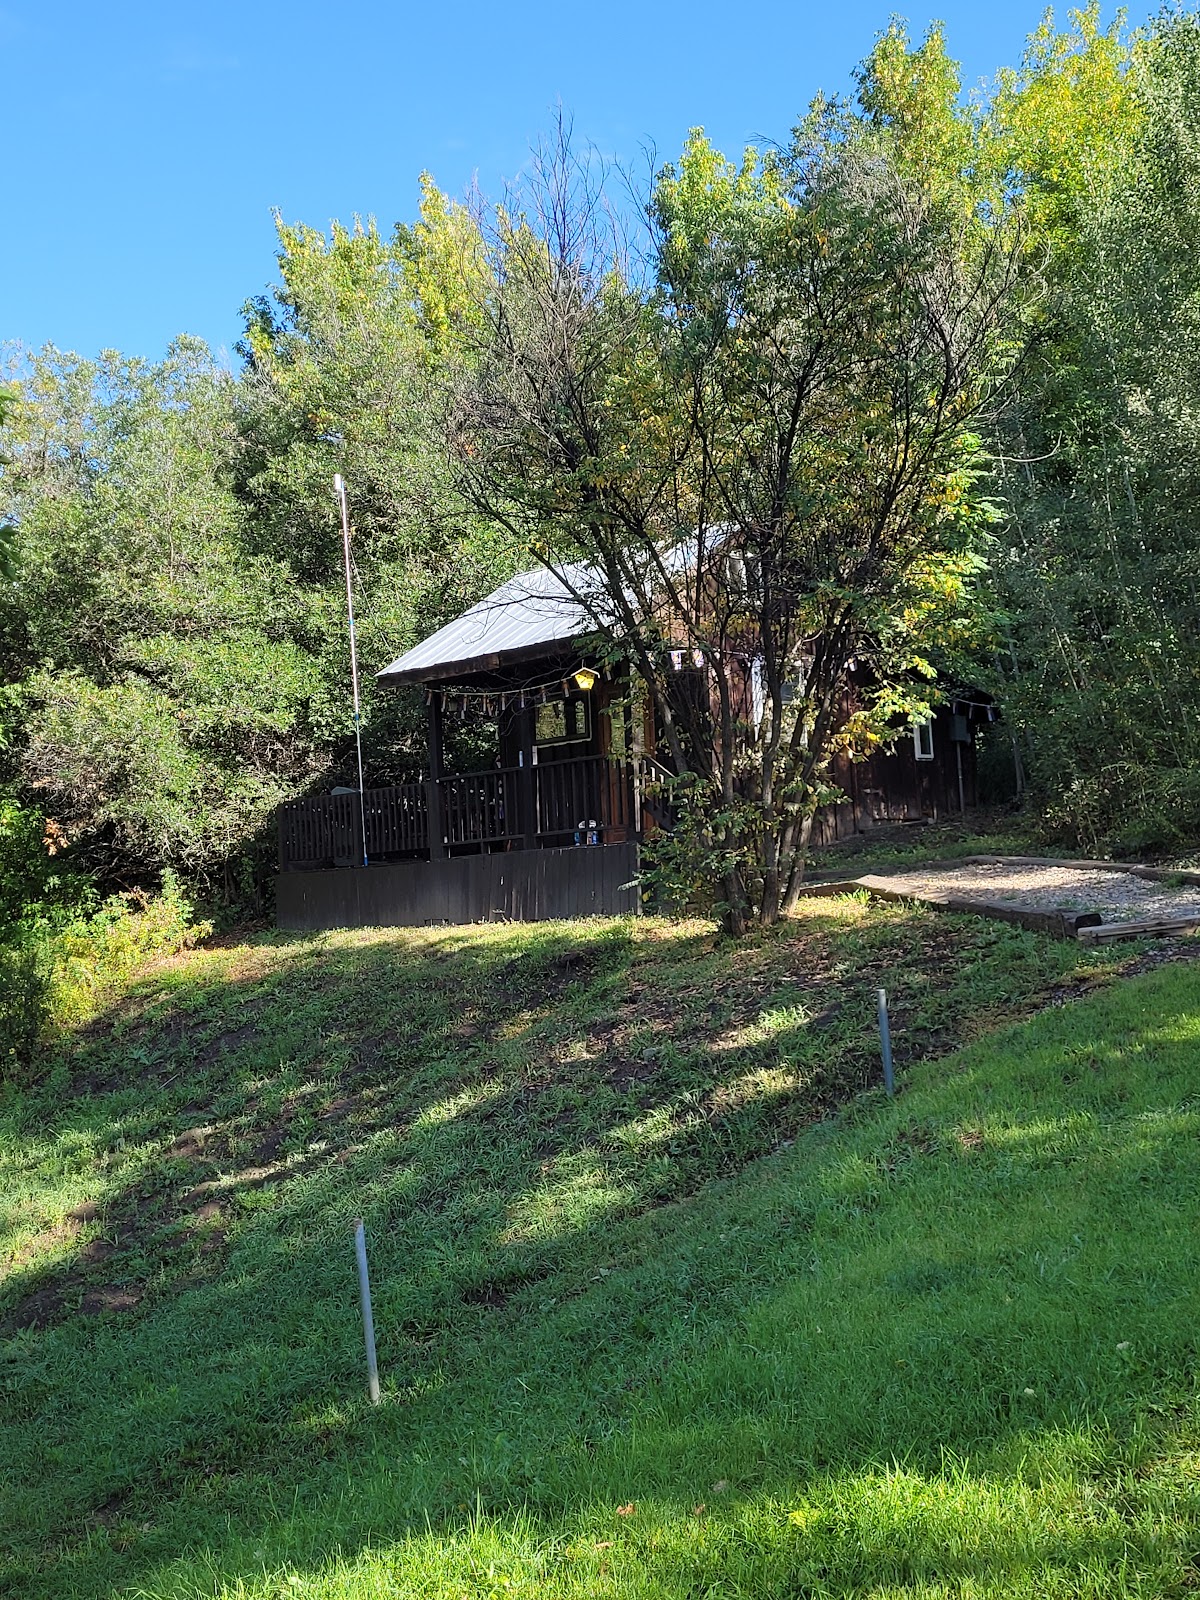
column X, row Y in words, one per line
column 451, row 671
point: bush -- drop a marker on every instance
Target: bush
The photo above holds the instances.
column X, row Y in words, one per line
column 57, row 970
column 1130, row 809
column 24, row 997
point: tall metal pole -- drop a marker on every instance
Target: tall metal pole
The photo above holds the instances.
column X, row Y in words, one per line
column 340, row 490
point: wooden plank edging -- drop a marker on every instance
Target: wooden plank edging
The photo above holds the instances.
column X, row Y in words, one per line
column 1059, row 921
column 1144, row 928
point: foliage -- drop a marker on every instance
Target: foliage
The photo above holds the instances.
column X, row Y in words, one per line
column 33, row 878
column 1099, row 563
column 25, row 989
column 344, row 366
column 8, row 533
column 659, row 1309
column 167, row 673
column 767, row 456
column 57, row 967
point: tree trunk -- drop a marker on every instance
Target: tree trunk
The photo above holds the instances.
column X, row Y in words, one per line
column 796, row 876
column 733, row 922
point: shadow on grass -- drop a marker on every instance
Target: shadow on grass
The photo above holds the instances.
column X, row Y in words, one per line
column 525, row 1119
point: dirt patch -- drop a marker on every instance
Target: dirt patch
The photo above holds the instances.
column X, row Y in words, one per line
column 47, row 1307
column 189, row 1145
column 1164, row 952
column 495, row 1294
column 626, row 1074
column 266, row 1151
column 228, row 1042
column 108, row 1299
column 42, row 1309
column 540, row 981
column 489, row 1295
column 111, row 1511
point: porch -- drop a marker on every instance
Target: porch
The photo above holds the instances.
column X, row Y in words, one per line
column 524, row 843
column 585, row 801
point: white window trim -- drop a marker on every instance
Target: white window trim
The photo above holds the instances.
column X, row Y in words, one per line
column 923, row 739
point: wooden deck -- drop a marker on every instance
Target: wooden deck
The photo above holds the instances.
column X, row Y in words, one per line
column 524, row 843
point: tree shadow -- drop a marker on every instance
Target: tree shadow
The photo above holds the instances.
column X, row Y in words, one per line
column 539, row 1130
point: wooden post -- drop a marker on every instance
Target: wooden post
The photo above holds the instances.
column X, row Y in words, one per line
column 526, row 778
column 434, row 801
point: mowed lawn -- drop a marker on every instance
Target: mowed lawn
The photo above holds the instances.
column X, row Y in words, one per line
column 671, row 1301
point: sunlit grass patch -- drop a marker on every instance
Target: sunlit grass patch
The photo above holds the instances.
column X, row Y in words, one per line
column 669, row 1299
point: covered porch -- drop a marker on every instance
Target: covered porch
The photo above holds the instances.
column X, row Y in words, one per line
column 550, row 828
column 584, row 801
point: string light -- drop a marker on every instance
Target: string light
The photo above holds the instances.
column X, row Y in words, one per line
column 493, row 702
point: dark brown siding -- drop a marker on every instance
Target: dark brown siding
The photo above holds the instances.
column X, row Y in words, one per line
column 519, row 885
column 893, row 786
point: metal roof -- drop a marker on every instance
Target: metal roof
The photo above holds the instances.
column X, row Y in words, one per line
column 531, row 613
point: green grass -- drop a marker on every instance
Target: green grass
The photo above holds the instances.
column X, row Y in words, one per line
column 669, row 1302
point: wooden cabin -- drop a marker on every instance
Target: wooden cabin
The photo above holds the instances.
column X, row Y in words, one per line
column 551, row 827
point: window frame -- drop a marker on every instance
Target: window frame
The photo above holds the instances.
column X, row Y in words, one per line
column 922, row 733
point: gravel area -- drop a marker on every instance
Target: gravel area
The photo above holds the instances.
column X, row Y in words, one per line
column 1117, row 896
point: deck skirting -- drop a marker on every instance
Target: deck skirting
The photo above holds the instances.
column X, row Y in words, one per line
column 516, row 885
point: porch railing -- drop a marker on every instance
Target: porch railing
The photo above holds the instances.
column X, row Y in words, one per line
column 480, row 810
column 581, row 791
column 481, row 807
column 326, row 830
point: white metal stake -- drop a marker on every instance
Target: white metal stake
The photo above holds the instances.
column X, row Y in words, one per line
column 364, row 1296
column 340, row 490
column 885, row 1042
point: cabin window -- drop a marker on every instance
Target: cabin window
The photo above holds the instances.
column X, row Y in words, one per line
column 564, row 721
column 923, row 739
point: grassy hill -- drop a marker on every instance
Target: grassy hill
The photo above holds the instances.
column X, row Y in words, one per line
column 670, row 1300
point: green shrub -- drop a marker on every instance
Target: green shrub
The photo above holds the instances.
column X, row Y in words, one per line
column 24, row 996
column 1130, row 809
column 94, row 955
column 57, row 970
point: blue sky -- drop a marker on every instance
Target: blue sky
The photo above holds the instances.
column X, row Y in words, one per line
column 147, row 144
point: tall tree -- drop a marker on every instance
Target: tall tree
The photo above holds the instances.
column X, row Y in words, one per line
column 765, row 452
column 7, row 531
column 168, row 678
column 344, row 366
column 1099, row 566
